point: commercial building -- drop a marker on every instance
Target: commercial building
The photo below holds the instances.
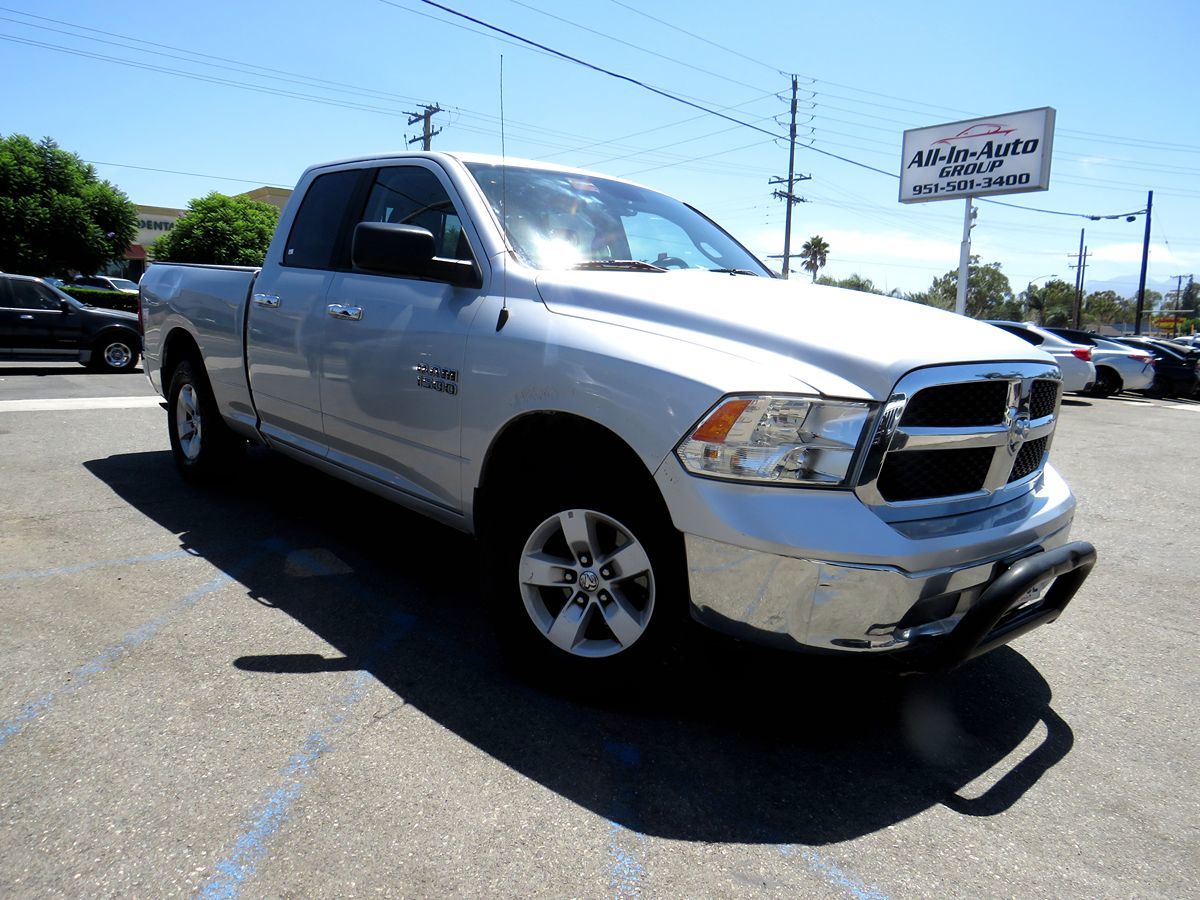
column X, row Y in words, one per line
column 155, row 221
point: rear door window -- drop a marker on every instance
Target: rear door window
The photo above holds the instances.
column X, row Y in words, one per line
column 1024, row 335
column 318, row 236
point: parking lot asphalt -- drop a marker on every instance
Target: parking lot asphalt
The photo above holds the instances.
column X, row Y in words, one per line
column 282, row 686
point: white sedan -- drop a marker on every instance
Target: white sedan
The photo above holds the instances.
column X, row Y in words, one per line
column 1074, row 360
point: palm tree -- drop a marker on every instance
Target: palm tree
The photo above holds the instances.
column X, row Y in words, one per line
column 815, row 254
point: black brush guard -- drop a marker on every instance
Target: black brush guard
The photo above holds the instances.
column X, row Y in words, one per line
column 998, row 617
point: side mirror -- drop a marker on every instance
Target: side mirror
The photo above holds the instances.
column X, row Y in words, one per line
column 64, row 306
column 391, row 249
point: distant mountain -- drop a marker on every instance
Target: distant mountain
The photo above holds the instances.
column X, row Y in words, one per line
column 1127, row 285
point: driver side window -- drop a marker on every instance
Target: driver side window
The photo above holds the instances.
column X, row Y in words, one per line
column 28, row 295
column 411, row 195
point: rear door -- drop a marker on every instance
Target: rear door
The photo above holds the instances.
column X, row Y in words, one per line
column 286, row 318
column 393, row 350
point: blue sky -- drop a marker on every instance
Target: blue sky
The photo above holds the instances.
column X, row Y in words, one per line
column 245, row 94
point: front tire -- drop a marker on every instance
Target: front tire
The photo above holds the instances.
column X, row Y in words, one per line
column 584, row 584
column 201, row 442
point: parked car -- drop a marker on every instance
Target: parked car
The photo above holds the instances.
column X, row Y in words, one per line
column 38, row 321
column 1176, row 368
column 1118, row 367
column 53, row 281
column 634, row 417
column 1191, row 341
column 1075, row 360
column 106, row 283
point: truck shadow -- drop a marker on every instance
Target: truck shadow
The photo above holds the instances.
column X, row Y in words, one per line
column 723, row 742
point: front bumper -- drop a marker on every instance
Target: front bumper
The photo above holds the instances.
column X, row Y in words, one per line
column 818, row 570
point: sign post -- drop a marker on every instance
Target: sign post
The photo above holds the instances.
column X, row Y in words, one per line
column 1006, row 154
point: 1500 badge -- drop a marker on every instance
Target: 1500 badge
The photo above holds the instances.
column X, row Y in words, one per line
column 444, row 381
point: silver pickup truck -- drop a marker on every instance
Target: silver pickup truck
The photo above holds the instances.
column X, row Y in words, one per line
column 635, row 417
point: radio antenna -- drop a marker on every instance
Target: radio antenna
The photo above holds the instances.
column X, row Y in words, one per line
column 503, row 208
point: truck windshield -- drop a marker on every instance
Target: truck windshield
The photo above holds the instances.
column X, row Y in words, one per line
column 562, row 220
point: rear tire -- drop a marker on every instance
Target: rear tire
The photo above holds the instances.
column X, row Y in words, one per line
column 201, row 442
column 115, row 353
column 1108, row 383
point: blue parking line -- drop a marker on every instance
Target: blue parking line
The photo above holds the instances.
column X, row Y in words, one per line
column 271, row 812
column 98, row 564
column 104, row 660
column 268, row 816
column 833, row 873
column 626, row 847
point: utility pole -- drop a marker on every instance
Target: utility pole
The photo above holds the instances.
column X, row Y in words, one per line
column 1080, row 268
column 1141, row 304
column 1179, row 299
column 426, row 115
column 790, row 197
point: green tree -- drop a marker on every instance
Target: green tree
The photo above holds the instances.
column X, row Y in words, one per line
column 1191, row 297
column 815, row 254
column 988, row 291
column 1050, row 304
column 853, row 282
column 228, row 231
column 55, row 213
column 1106, row 307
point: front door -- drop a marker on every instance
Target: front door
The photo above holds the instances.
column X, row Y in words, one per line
column 287, row 317
column 38, row 321
column 392, row 355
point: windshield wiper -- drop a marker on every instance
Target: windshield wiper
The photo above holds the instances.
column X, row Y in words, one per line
column 627, row 265
column 735, row 272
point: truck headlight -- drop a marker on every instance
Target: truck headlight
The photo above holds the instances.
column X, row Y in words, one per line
column 777, row 440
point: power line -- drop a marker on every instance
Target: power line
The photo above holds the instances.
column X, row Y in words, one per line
column 264, row 89
column 673, row 27
column 633, row 46
column 273, row 73
column 631, row 80
column 705, row 110
column 261, row 182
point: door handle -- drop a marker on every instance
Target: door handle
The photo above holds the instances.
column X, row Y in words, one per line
column 270, row 301
column 342, row 311
column 27, row 316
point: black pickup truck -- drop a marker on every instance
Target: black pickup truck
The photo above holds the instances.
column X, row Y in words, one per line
column 40, row 322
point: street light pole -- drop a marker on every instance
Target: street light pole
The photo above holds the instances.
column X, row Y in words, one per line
column 964, row 259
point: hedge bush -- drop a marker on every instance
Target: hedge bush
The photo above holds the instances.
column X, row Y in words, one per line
column 105, row 299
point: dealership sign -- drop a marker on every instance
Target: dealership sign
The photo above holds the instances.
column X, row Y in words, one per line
column 1006, row 154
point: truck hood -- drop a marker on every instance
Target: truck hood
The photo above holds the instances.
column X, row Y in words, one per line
column 839, row 342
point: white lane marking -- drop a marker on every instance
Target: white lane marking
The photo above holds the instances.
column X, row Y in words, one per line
column 1188, row 408
column 71, row 403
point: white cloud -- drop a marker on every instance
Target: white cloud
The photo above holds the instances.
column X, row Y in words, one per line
column 1131, row 252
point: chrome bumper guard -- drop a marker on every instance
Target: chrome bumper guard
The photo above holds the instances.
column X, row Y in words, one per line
column 999, row 616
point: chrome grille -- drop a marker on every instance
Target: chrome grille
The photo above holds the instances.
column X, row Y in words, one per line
column 961, row 434
column 957, row 405
column 922, row 474
column 1029, row 459
column 1043, row 398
